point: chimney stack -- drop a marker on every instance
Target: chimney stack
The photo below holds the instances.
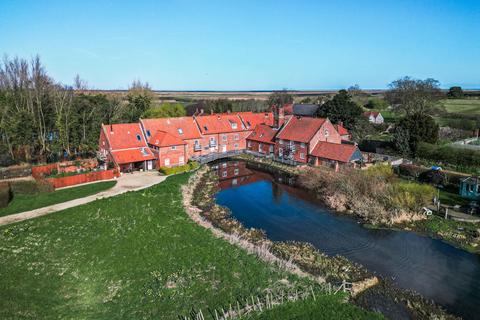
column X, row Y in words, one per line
column 278, row 116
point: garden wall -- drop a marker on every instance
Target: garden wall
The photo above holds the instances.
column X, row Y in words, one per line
column 15, row 172
column 40, row 171
column 61, row 182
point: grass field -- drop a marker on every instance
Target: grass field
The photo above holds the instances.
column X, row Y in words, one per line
column 134, row 256
column 468, row 106
column 21, row 202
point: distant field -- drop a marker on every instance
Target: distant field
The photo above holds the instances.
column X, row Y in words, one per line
column 470, row 106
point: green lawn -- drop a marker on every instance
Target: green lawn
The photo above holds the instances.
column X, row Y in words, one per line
column 469, row 106
column 26, row 202
column 134, row 256
column 452, row 199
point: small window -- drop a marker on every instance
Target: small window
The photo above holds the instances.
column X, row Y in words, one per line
column 236, row 137
column 302, row 145
column 302, row 155
column 174, row 147
column 326, row 133
column 181, row 160
column 180, row 131
column 236, row 171
column 197, row 143
column 249, row 144
column 280, row 141
column 167, row 161
column 249, row 124
column 224, row 164
column 148, row 133
column 224, row 137
column 233, row 124
column 224, row 174
column 235, row 145
column 139, row 138
column 205, row 127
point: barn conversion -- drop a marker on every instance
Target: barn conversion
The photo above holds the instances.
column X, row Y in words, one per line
column 168, row 142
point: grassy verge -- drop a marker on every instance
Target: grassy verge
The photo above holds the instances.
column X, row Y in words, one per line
column 26, row 202
column 461, row 234
column 133, row 256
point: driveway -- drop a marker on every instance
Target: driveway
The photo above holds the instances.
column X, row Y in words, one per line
column 127, row 182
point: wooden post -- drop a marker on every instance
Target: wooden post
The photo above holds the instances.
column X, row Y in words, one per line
column 446, row 213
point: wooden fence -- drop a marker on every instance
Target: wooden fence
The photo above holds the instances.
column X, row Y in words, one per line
column 61, row 182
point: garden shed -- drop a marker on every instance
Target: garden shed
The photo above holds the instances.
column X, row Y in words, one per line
column 470, row 188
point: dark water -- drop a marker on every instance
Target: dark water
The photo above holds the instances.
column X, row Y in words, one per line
column 437, row 270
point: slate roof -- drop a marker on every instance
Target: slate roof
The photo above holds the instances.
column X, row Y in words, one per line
column 307, row 110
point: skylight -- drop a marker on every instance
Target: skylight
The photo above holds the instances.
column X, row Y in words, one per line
column 205, row 127
column 148, row 133
column 180, row 131
column 139, row 138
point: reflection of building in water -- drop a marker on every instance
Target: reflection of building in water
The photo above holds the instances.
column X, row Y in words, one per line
column 234, row 173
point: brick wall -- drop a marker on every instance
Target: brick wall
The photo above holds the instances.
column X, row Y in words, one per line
column 173, row 157
column 255, row 146
column 83, row 178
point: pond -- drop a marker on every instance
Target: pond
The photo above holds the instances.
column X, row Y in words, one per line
column 433, row 268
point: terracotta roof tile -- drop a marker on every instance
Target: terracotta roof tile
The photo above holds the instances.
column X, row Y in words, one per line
column 124, row 135
column 301, row 129
column 263, row 133
column 132, row 155
column 251, row 119
column 182, row 127
column 165, row 139
column 341, row 130
column 334, row 151
column 220, row 123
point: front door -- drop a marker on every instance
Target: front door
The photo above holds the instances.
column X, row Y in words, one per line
column 280, row 152
column 224, row 148
column 149, row 165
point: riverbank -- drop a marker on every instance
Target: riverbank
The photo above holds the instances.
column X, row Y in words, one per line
column 462, row 235
column 329, row 269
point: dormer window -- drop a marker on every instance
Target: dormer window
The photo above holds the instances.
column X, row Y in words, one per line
column 144, row 152
column 180, row 131
column 139, row 138
column 233, row 124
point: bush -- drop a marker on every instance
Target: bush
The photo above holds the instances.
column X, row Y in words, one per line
column 5, row 194
column 458, row 158
column 191, row 165
column 28, row 187
column 412, row 195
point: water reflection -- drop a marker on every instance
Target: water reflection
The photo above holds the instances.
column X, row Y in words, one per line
column 438, row 271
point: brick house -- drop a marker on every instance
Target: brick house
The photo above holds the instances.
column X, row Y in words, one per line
column 251, row 120
column 169, row 150
column 222, row 132
column 262, row 139
column 297, row 138
column 184, row 128
column 125, row 146
column 343, row 132
column 334, row 154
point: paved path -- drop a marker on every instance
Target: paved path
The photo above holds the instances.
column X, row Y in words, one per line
column 127, row 182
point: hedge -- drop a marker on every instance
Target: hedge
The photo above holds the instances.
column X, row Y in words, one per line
column 5, row 194
column 173, row 170
column 27, row 187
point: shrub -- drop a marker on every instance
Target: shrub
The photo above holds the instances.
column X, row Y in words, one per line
column 5, row 194
column 411, row 195
column 191, row 165
column 30, row 187
column 381, row 170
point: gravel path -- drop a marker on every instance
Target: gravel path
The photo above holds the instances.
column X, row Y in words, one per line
column 127, row 182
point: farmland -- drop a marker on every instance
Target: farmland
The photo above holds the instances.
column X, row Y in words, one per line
column 136, row 255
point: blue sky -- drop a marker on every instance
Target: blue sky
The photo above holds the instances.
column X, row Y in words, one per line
column 247, row 45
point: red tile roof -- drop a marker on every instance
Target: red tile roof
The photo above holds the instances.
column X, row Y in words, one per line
column 334, row 151
column 251, row 120
column 301, row 129
column 369, row 113
column 132, row 155
column 182, row 127
column 165, row 139
column 124, row 136
column 341, row 130
column 263, row 133
column 220, row 123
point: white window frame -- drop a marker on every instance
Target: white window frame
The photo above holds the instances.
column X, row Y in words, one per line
column 181, row 160
column 302, row 145
column 236, row 171
column 236, row 137
column 280, row 141
column 249, row 143
column 166, row 162
column 224, row 174
column 224, row 137
column 302, row 155
column 235, row 146
column 173, row 147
